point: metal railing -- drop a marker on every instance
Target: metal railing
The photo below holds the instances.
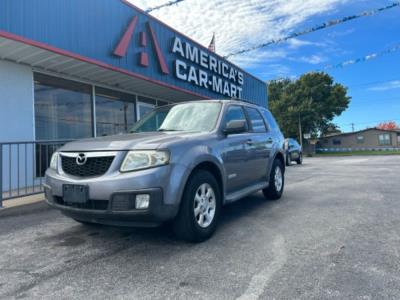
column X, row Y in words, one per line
column 22, row 167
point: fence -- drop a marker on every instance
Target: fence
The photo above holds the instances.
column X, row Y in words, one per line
column 377, row 149
column 22, row 167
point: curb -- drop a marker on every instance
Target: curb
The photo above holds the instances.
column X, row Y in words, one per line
column 25, row 205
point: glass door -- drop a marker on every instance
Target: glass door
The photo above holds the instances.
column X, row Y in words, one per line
column 143, row 109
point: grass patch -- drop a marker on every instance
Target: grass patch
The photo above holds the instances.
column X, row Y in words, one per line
column 351, row 153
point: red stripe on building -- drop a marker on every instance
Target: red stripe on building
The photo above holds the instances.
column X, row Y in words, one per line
column 159, row 54
column 123, row 44
column 143, row 40
column 144, row 59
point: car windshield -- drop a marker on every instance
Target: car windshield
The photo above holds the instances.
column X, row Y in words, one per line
column 194, row 117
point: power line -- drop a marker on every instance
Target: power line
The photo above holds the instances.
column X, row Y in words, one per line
column 316, row 28
column 347, row 63
column 364, row 58
column 373, row 82
column 170, row 3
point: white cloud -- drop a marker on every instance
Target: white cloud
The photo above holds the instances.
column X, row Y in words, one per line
column 241, row 24
column 313, row 59
column 390, row 85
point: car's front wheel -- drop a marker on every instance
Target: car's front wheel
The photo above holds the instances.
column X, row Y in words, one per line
column 276, row 181
column 200, row 207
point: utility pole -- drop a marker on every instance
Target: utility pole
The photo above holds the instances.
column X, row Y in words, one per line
column 352, row 127
column 300, row 132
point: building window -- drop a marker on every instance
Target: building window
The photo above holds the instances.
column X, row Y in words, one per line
column 384, row 139
column 360, row 139
column 115, row 112
column 337, row 142
column 63, row 109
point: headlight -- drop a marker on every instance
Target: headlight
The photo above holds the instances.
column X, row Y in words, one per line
column 54, row 160
column 137, row 160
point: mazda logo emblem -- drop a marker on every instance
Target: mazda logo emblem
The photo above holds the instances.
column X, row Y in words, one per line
column 81, row 159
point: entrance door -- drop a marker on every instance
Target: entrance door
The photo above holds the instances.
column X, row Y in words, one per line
column 143, row 109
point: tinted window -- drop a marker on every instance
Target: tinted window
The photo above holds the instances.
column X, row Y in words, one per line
column 384, row 139
column 115, row 112
column 234, row 113
column 256, row 120
column 337, row 142
column 270, row 120
column 63, row 109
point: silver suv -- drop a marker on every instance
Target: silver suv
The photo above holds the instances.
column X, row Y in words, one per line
column 180, row 163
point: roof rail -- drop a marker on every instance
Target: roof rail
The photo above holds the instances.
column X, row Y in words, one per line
column 246, row 101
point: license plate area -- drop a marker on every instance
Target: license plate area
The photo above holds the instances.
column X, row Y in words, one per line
column 73, row 193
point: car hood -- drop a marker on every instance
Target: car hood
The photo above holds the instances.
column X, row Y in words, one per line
column 144, row 140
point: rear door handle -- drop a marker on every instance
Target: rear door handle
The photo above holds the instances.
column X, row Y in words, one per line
column 270, row 141
column 249, row 142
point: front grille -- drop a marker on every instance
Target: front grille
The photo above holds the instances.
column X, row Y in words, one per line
column 94, row 166
column 90, row 204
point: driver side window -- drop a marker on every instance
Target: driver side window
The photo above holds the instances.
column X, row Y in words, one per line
column 234, row 113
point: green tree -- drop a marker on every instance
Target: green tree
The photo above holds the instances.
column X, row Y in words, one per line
column 313, row 100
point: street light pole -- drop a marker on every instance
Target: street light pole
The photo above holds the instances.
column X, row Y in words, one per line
column 300, row 132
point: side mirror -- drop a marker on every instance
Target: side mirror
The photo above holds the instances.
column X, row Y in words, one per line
column 235, row 127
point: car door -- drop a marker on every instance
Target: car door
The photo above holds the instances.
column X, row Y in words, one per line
column 259, row 146
column 235, row 154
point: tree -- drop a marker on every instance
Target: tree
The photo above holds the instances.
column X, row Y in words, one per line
column 389, row 125
column 313, row 100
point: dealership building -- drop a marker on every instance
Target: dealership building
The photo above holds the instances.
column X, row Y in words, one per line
column 72, row 69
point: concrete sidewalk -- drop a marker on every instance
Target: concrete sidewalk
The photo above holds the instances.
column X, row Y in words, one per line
column 23, row 201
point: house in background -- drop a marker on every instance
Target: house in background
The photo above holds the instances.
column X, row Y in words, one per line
column 367, row 139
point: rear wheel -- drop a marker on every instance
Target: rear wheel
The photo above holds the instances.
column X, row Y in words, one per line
column 200, row 207
column 276, row 181
column 300, row 159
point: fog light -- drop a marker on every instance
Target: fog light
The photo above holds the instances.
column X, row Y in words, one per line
column 142, row 201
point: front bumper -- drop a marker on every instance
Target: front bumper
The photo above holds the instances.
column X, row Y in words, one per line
column 102, row 206
column 112, row 213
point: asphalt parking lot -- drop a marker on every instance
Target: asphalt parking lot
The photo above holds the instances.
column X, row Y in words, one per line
column 334, row 235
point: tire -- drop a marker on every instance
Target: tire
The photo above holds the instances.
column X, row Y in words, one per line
column 300, row 159
column 197, row 197
column 275, row 188
column 288, row 160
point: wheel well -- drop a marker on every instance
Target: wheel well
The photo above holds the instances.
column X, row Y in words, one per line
column 214, row 170
column 281, row 158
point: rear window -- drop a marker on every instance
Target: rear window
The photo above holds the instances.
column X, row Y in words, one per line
column 256, row 120
column 270, row 120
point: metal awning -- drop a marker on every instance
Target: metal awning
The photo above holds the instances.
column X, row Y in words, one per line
column 65, row 64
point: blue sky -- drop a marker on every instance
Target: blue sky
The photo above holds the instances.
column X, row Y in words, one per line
column 374, row 85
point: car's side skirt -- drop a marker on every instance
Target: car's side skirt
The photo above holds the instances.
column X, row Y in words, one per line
column 245, row 192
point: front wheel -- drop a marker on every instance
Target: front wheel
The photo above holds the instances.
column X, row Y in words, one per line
column 276, row 181
column 200, row 207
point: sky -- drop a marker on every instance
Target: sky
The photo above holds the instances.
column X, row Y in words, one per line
column 374, row 86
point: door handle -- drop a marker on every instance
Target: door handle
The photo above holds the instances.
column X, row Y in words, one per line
column 270, row 141
column 249, row 142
